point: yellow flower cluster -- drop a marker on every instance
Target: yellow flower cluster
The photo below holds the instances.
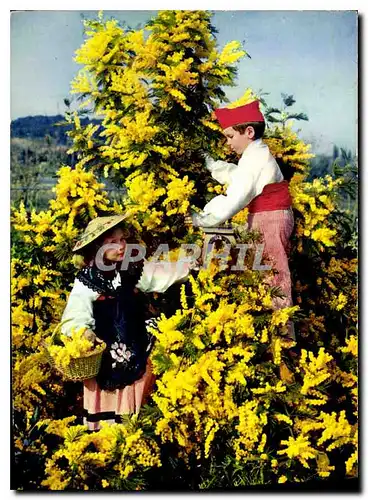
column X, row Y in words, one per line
column 34, row 293
column 184, row 29
column 78, row 192
column 101, row 45
column 178, row 194
column 123, row 62
column 178, row 71
column 248, row 97
column 339, row 302
column 82, row 136
column 168, row 335
column 25, row 275
column 337, row 275
column 338, row 294
column 196, row 389
column 220, row 189
column 241, row 218
column 350, row 462
column 250, row 428
column 314, row 200
column 351, row 346
column 128, row 82
column 281, row 316
column 35, row 297
column 137, row 130
column 299, row 448
column 143, row 191
column 147, row 50
column 336, row 428
column 37, row 224
column 78, row 196
column 285, row 145
column 29, row 379
column 315, row 368
column 115, row 448
column 211, row 124
column 84, row 83
column 334, row 431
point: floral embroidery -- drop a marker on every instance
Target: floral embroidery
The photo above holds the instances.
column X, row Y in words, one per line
column 120, row 353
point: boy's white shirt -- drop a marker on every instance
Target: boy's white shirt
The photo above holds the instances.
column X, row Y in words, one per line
column 156, row 277
column 256, row 168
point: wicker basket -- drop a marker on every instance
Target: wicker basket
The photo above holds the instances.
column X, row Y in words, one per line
column 78, row 369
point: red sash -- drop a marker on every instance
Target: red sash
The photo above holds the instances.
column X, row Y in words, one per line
column 274, row 196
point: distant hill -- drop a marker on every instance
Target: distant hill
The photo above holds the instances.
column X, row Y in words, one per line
column 41, row 126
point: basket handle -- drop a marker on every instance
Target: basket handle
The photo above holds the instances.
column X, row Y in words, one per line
column 58, row 328
column 46, row 342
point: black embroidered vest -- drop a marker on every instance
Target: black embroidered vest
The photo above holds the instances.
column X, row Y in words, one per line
column 119, row 315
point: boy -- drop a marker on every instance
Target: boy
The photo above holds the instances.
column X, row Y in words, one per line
column 256, row 183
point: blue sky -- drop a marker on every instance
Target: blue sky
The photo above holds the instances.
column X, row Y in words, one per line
column 310, row 54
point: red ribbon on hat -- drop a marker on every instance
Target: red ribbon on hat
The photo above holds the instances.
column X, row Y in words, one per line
column 242, row 114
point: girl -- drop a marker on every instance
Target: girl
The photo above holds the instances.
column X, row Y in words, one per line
column 109, row 302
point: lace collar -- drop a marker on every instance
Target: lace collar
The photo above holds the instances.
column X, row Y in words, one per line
column 112, row 282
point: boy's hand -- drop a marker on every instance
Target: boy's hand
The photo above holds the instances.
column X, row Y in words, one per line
column 196, row 264
column 208, row 162
column 196, row 219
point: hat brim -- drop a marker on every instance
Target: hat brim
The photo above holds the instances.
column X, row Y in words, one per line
column 89, row 236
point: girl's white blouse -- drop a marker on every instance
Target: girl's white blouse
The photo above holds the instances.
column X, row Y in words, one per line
column 156, row 277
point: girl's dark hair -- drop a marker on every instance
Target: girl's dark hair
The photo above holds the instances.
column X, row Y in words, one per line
column 259, row 128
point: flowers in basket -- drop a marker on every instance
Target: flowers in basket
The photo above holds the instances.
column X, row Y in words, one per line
column 75, row 356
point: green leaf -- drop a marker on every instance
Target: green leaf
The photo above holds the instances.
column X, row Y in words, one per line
column 298, row 116
column 273, row 120
column 288, row 100
column 272, row 110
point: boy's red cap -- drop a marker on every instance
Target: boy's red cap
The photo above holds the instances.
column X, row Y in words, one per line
column 242, row 114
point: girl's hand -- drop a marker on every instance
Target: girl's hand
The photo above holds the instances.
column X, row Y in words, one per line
column 91, row 336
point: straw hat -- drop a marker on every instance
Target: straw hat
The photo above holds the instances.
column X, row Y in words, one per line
column 97, row 227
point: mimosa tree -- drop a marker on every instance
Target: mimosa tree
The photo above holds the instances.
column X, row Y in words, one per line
column 236, row 402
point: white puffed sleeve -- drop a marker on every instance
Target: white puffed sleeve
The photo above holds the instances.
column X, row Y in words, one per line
column 240, row 192
column 220, row 170
column 159, row 276
column 78, row 311
column 256, row 169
